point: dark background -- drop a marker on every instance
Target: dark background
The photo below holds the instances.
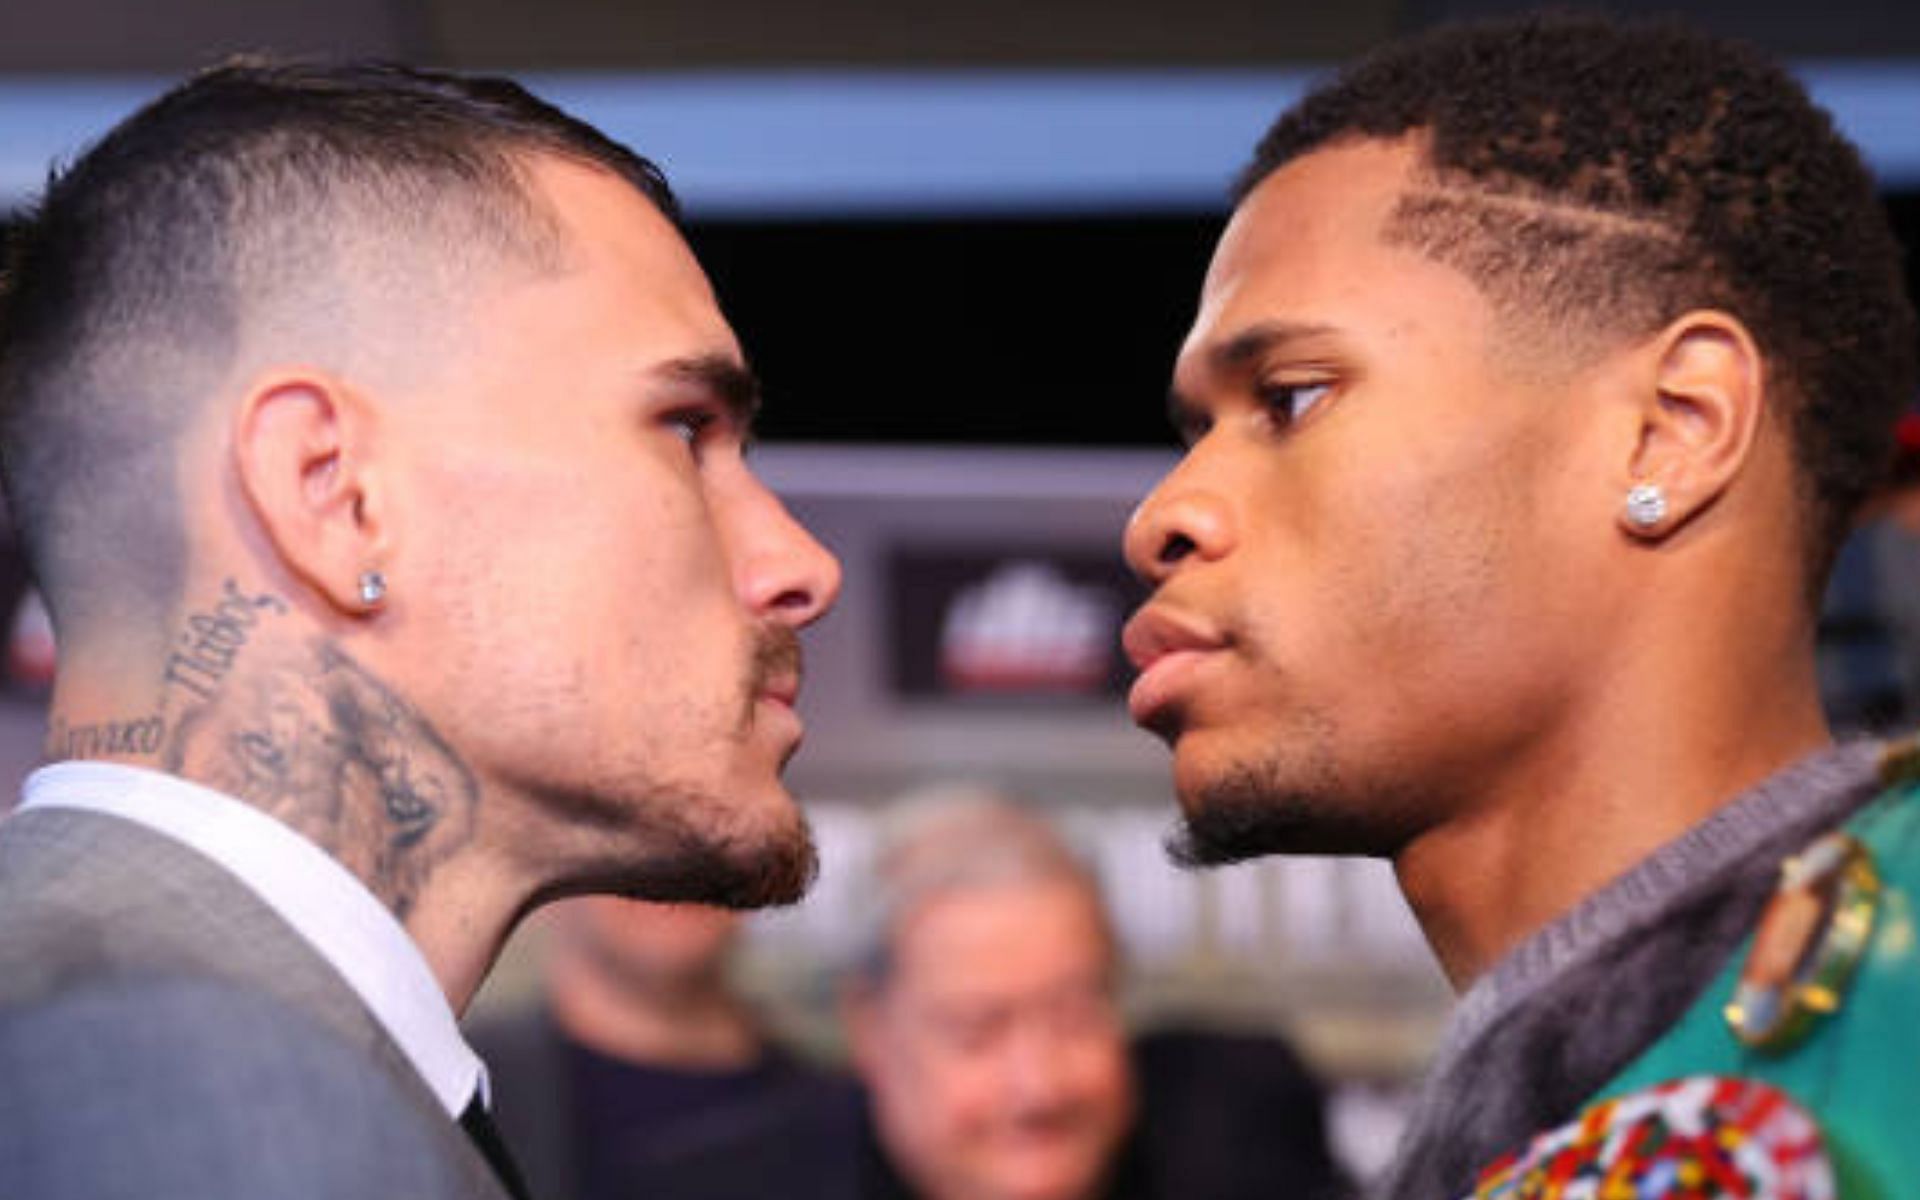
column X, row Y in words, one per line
column 1058, row 331
column 520, row 35
column 1055, row 329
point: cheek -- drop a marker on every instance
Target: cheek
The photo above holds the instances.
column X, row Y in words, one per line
column 544, row 603
column 1102, row 1086
column 945, row 1099
column 1110, row 1069
column 569, row 518
column 1411, row 563
column 937, row 1111
column 1366, row 599
column 608, row 579
column 908, row 1072
column 1444, row 593
column 966, row 1094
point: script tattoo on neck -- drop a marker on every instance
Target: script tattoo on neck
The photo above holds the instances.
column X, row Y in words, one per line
column 214, row 638
column 317, row 741
column 140, row 735
column 208, row 648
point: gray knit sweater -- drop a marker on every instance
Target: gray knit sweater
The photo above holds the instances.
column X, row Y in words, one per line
column 1575, row 1003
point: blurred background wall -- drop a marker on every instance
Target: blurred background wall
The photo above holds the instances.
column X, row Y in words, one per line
column 961, row 242
column 622, row 35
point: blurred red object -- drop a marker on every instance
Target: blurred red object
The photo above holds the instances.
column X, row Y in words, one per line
column 30, row 652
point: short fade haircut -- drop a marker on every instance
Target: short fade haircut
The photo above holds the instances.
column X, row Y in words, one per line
column 951, row 839
column 232, row 202
column 1606, row 178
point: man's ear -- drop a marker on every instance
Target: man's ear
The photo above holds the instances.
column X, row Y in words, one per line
column 302, row 446
column 1696, row 421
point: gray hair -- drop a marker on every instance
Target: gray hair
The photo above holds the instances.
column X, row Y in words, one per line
column 952, row 838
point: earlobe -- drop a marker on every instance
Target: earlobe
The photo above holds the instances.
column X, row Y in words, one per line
column 302, row 449
column 1646, row 508
column 1699, row 412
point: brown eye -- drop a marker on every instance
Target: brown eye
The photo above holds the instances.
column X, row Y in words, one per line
column 691, row 425
column 1288, row 403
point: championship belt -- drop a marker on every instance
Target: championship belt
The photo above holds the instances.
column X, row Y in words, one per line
column 1797, row 1073
column 1697, row 1137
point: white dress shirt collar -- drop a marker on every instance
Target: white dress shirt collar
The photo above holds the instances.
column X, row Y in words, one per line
column 312, row 891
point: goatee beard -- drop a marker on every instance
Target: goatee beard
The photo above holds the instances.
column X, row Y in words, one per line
column 695, row 866
column 1253, row 811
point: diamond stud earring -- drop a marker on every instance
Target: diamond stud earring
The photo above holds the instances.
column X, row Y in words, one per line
column 1646, row 505
column 373, row 588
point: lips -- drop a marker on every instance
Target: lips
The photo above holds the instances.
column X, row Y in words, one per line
column 778, row 692
column 778, row 665
column 1155, row 632
column 1167, row 647
column 781, row 690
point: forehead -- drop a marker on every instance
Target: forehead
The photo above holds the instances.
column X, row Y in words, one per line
column 608, row 322
column 1308, row 248
column 624, row 258
column 1005, row 935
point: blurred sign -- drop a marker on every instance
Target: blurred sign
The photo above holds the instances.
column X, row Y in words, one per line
column 1002, row 624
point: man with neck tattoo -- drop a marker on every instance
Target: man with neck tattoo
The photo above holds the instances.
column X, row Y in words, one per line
column 378, row 444
column 1533, row 384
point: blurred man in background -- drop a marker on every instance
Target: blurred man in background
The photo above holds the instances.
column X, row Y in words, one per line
column 982, row 1016
column 641, row 1054
column 983, row 1019
column 1534, row 382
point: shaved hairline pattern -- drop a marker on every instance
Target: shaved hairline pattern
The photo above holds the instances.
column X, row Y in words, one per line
column 1547, row 261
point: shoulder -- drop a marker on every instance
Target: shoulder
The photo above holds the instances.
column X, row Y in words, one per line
column 806, row 1132
column 159, row 1086
column 1227, row 1113
column 1819, row 1002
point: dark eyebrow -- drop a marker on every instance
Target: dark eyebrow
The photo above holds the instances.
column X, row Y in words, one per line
column 1251, row 343
column 722, row 377
column 1233, row 356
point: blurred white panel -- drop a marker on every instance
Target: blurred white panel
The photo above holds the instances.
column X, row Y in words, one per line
column 1241, row 927
column 771, row 144
column 1155, row 907
column 1309, row 910
column 1383, row 927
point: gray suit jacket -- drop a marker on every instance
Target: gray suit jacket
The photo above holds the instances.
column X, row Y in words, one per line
column 163, row 1033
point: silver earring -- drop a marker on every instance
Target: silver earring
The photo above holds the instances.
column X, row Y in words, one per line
column 373, row 588
column 1646, row 505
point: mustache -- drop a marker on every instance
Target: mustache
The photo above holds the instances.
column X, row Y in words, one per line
column 776, row 656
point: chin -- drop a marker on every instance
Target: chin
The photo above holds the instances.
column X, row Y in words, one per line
column 695, row 848
column 1248, row 811
column 1074, row 1185
column 1064, row 1171
column 765, row 878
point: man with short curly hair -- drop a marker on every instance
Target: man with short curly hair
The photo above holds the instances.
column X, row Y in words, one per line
column 1534, row 381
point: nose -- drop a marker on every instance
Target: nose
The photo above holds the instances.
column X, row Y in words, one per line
column 1182, row 519
column 782, row 571
column 1038, row 1072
